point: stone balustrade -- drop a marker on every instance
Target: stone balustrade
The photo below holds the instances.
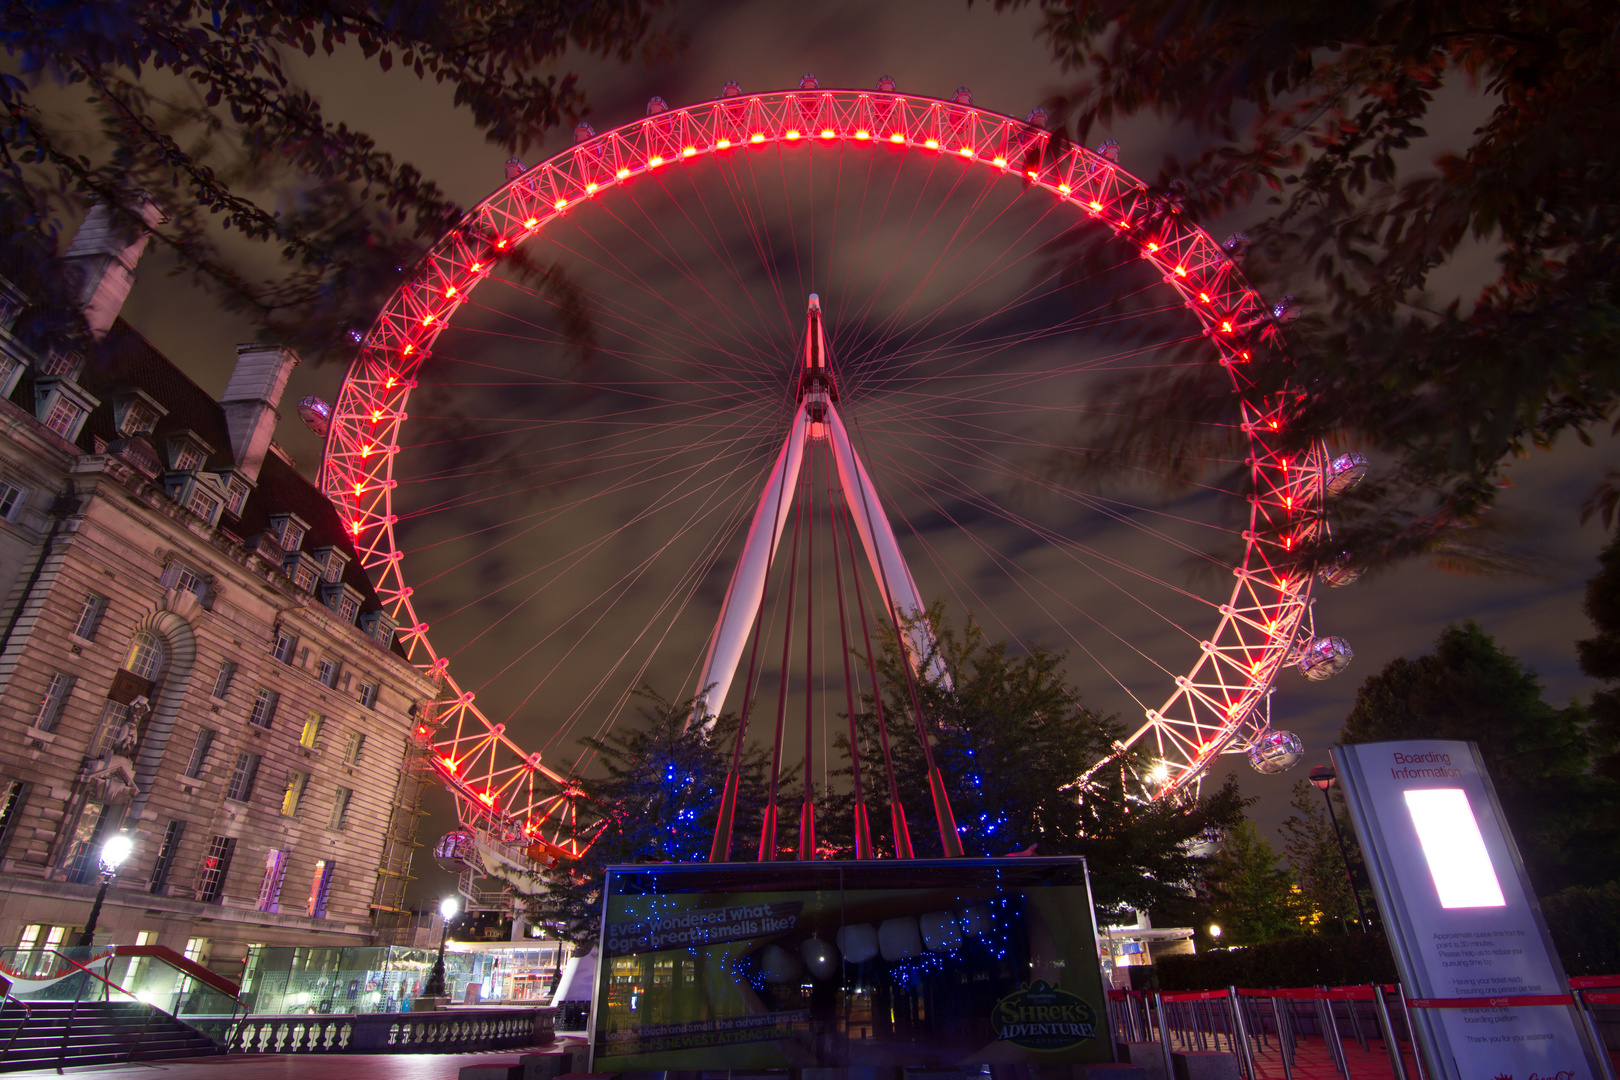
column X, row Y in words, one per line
column 448, row 1031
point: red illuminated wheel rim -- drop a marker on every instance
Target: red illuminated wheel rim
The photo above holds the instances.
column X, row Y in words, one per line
column 1214, row 676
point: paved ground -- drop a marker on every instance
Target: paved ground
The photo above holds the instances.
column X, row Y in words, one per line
column 1310, row 1063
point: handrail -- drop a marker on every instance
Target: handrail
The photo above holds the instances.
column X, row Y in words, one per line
column 28, row 1014
column 185, row 964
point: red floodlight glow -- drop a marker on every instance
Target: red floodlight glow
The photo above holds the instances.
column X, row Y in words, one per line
column 622, row 173
column 1095, row 205
column 500, row 243
column 590, row 189
column 723, row 143
column 756, row 137
column 654, row 161
column 827, row 133
column 1000, row 163
column 932, row 144
column 531, row 223
column 863, row 134
column 688, row 151
column 792, row 133
column 897, row 137
column 1063, row 189
column 966, row 151
column 1181, row 271
column 559, row 204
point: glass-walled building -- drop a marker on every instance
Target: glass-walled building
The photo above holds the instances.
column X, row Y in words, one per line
column 388, row 978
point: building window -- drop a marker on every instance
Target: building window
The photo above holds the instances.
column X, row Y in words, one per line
column 236, row 495
column 293, row 794
column 340, row 808
column 90, row 616
column 222, row 681
column 201, row 503
column 146, row 656
column 77, row 856
column 286, row 645
column 59, row 362
column 275, row 869
column 312, row 729
column 368, row 694
column 139, row 419
column 348, row 606
column 199, row 753
column 165, row 857
column 114, row 718
column 264, row 707
column 187, row 458
column 357, row 744
column 182, row 577
column 304, row 576
column 211, row 877
column 13, row 796
column 328, row 672
column 50, row 707
column 197, row 948
column 63, row 417
column 11, row 500
column 319, row 887
column 241, row 787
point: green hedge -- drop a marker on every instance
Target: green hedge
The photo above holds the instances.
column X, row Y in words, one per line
column 1585, row 925
column 1350, row 960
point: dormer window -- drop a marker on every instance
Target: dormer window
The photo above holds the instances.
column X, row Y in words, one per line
column 304, row 569
column 379, row 627
column 187, row 452
column 289, row 531
column 62, row 405
column 236, row 494
column 201, row 503
column 137, row 413
column 10, row 371
column 333, row 561
column 63, row 362
column 343, row 600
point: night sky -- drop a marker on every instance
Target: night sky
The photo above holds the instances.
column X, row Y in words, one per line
column 931, row 48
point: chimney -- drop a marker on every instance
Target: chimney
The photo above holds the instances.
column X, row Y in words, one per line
column 250, row 402
column 103, row 254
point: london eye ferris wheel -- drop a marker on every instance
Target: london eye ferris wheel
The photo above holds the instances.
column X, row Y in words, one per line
column 901, row 321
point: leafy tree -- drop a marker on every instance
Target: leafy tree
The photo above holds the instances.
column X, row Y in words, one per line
column 1301, row 118
column 1566, row 821
column 1600, row 658
column 196, row 103
column 1253, row 898
column 660, row 790
column 1313, row 851
column 1011, row 738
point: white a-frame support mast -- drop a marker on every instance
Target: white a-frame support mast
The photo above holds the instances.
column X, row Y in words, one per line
column 816, row 418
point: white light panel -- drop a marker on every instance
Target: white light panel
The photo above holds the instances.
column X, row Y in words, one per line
column 1454, row 848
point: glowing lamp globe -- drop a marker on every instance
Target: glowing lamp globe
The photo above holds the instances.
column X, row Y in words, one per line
column 448, row 907
column 117, row 849
column 1276, row 751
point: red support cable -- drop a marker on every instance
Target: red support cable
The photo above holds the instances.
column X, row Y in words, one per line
column 863, row 834
column 897, row 812
column 767, row 827
column 720, row 850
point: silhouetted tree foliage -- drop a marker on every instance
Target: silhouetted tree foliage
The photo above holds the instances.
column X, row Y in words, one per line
column 1011, row 739
column 1301, row 115
column 1600, row 658
column 1566, row 820
column 197, row 105
column 659, row 785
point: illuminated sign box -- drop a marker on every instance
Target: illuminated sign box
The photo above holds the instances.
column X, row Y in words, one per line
column 1461, row 916
column 839, row 964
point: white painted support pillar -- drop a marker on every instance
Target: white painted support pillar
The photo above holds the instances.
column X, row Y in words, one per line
column 882, row 551
column 747, row 588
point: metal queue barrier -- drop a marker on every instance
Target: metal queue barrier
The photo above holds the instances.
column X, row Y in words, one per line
column 1251, row 1023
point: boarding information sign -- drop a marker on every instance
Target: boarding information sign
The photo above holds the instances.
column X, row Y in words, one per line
column 1462, row 919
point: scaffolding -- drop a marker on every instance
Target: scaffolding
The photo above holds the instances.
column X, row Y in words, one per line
column 389, row 915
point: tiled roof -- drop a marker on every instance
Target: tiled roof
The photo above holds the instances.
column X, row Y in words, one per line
column 126, row 360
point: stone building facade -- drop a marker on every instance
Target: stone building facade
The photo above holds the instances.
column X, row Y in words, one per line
column 189, row 654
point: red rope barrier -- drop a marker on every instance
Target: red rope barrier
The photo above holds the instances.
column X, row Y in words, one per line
column 1491, row 1002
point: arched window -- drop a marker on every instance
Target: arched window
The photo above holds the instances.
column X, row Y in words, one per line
column 146, row 655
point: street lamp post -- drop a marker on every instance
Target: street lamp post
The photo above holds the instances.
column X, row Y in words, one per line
column 113, row 853
column 435, row 984
column 1324, row 778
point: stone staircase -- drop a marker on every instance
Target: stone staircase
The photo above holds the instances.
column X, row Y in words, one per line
column 96, row 1033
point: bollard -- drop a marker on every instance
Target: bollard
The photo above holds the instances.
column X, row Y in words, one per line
column 1246, row 1052
column 1381, row 1008
column 1164, row 1037
column 1285, row 1036
column 1411, row 1032
column 1595, row 1035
